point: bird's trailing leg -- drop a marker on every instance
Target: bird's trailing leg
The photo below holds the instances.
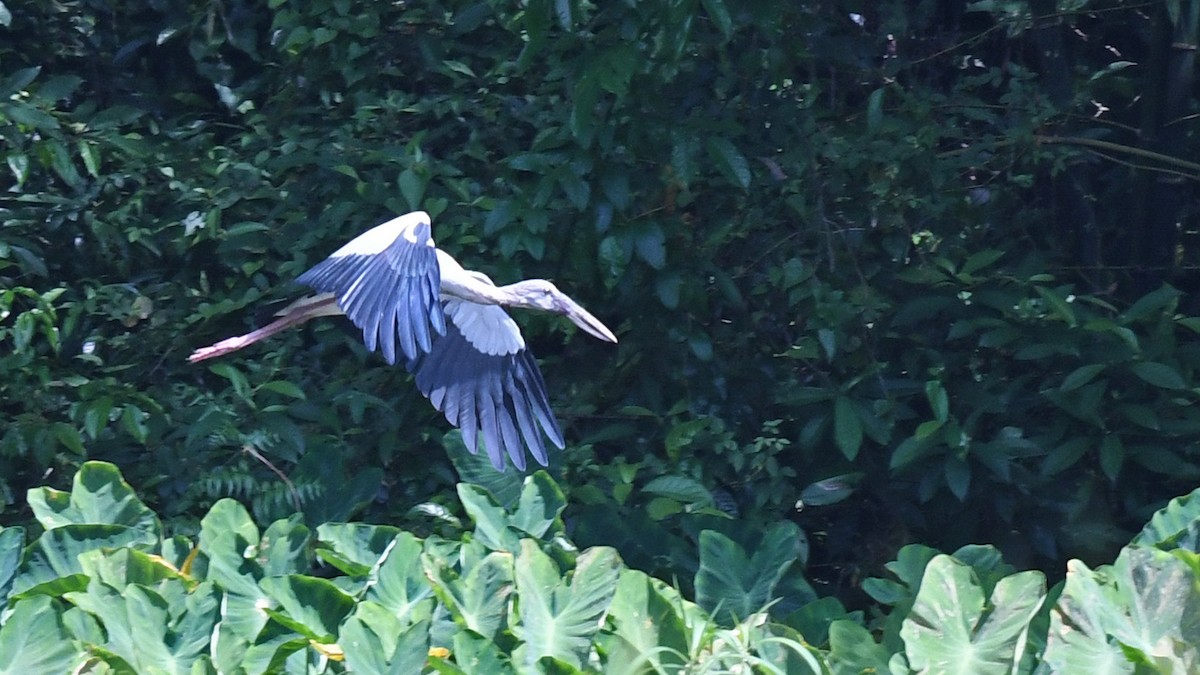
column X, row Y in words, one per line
column 293, row 315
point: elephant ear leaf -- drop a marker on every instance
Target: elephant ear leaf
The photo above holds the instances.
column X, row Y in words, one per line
column 34, row 638
column 732, row 585
column 954, row 628
column 560, row 620
column 99, row 496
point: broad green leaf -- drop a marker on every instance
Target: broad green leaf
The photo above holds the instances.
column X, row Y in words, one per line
column 70, row 438
column 18, row 80
column 853, row 650
column 537, row 24
column 18, row 164
column 237, row 379
column 283, row 387
column 558, row 619
column 12, row 540
column 667, row 287
column 492, row 523
column 578, row 191
column 614, row 67
column 909, row 451
column 981, row 260
column 680, row 488
column 1140, row 609
column 732, row 585
column 398, row 580
column 729, row 161
column 311, row 606
column 59, row 87
column 98, row 496
column 939, row 400
column 814, row 618
column 1112, row 456
column 1058, row 305
column 830, row 490
column 615, row 186
column 56, row 552
column 875, row 109
column 412, row 188
column 354, row 548
column 909, row 567
column 684, row 160
column 478, row 600
column 90, row 156
column 584, row 100
column 477, row 469
column 1081, row 376
column 95, row 419
column 540, row 506
column 1175, row 525
column 1162, row 299
column 121, row 567
column 847, row 427
column 651, row 246
column 229, row 538
column 783, row 647
column 30, row 116
column 1158, row 374
column 143, row 629
column 647, row 627
column 1065, row 455
column 951, row 629
column 502, row 213
column 475, row 654
column 33, row 640
column 276, row 649
column 283, row 548
column 227, row 521
column 375, row 642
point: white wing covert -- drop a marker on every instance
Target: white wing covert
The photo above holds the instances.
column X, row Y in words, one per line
column 387, row 281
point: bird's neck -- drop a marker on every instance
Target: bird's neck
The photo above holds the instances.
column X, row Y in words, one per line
column 471, row 286
column 485, row 294
column 478, row 292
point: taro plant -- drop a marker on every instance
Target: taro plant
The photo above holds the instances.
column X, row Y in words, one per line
column 102, row 588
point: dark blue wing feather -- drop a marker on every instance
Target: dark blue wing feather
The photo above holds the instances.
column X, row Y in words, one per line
column 391, row 294
column 499, row 397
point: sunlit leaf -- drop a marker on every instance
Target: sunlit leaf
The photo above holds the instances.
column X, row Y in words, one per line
column 33, row 639
column 954, row 628
column 560, row 619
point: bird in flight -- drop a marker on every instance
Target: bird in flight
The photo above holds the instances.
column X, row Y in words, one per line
column 466, row 354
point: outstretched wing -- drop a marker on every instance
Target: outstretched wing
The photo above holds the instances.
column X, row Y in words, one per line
column 387, row 281
column 482, row 377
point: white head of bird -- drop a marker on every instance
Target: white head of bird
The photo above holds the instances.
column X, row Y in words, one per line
column 545, row 296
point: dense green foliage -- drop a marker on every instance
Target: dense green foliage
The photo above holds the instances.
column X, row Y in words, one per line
column 103, row 586
column 924, row 271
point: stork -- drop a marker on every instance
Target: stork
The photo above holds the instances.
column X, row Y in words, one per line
column 475, row 368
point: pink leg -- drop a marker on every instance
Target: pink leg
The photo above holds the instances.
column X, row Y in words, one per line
column 292, row 318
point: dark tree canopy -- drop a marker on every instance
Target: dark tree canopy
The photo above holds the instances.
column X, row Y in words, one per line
column 933, row 263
